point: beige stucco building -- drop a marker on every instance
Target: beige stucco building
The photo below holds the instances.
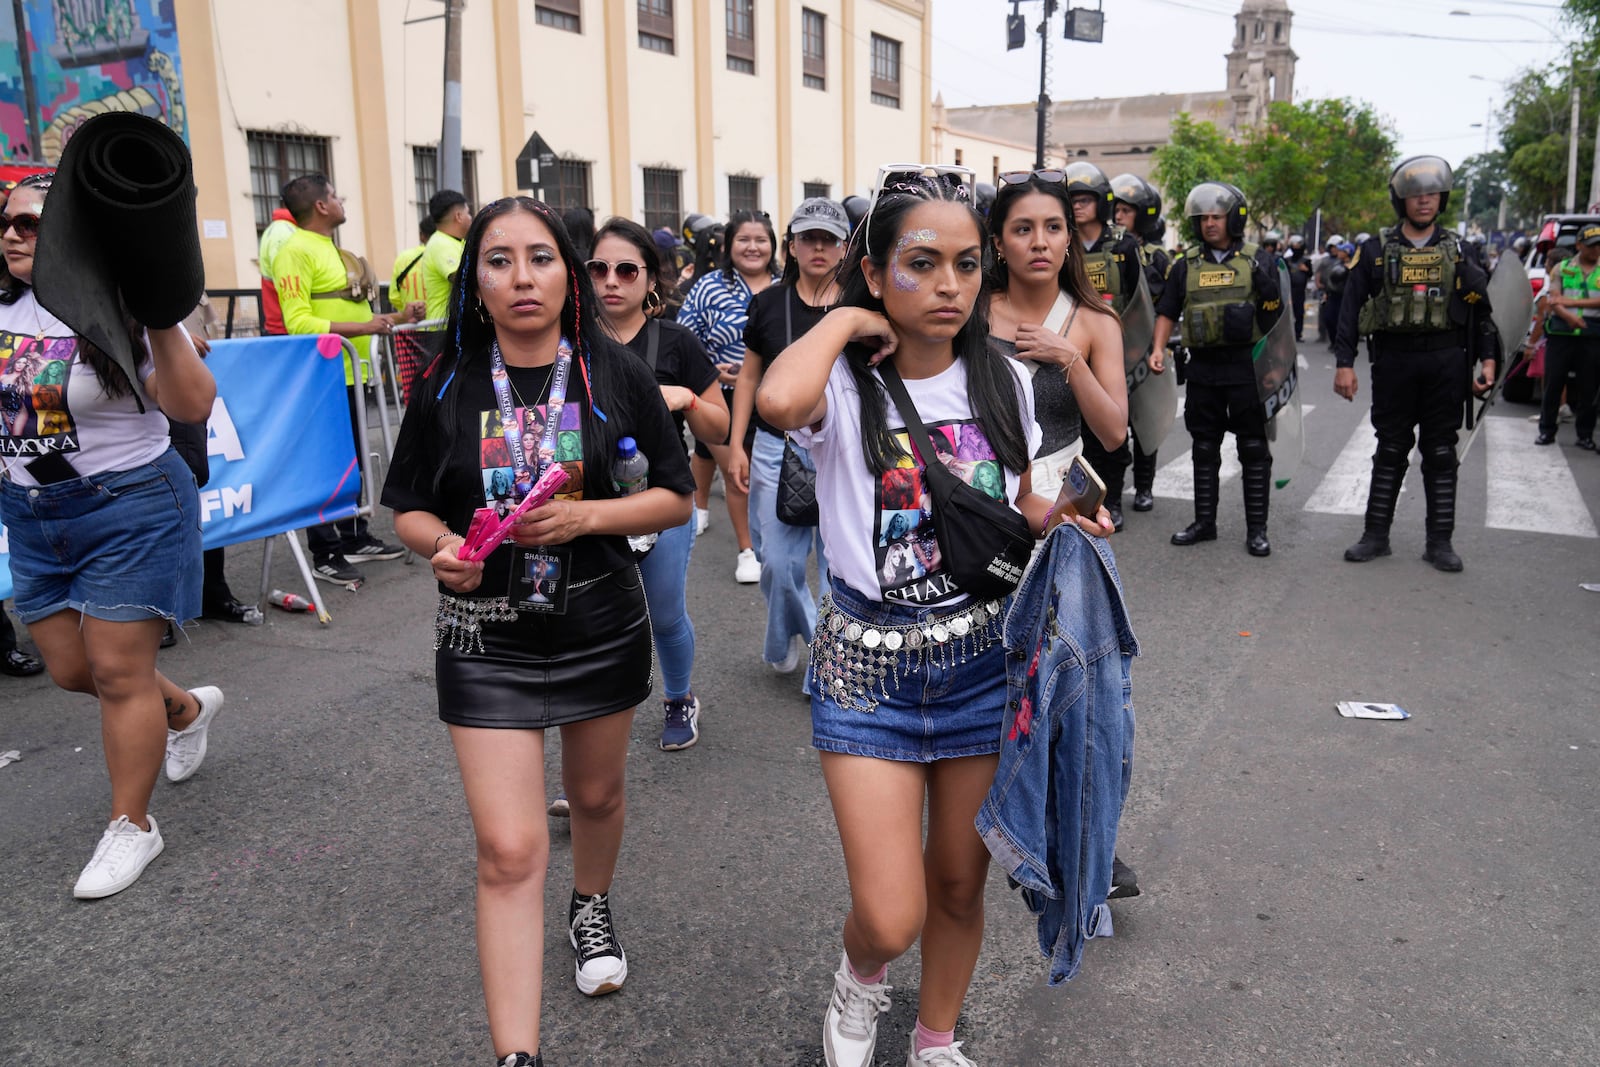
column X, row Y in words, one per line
column 656, row 108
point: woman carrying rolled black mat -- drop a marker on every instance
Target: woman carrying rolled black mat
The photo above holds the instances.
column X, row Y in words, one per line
column 105, row 533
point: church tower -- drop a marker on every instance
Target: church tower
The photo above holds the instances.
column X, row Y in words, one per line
column 1261, row 64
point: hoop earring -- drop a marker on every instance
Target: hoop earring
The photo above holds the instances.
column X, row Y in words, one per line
column 660, row 302
column 483, row 314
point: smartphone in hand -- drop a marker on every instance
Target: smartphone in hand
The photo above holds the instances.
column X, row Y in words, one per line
column 1081, row 488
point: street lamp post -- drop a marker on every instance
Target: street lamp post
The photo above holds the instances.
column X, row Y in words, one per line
column 1082, row 24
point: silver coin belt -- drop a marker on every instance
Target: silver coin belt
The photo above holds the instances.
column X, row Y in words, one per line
column 851, row 660
column 460, row 620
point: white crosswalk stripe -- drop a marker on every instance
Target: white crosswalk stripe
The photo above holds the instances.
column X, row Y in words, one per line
column 1531, row 488
column 1343, row 490
column 1175, row 480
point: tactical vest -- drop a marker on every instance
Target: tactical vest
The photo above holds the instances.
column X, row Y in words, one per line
column 1219, row 305
column 1105, row 270
column 1417, row 286
column 1155, row 269
column 1575, row 284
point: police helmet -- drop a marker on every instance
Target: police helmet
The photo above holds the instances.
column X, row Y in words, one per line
column 1362, row 238
column 1297, row 242
column 1520, row 246
column 1216, row 198
column 983, row 195
column 1088, row 178
column 856, row 208
column 1143, row 198
column 1333, row 242
column 693, row 224
column 1418, row 175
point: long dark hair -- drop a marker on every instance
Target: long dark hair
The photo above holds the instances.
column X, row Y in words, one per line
column 597, row 384
column 113, row 381
column 991, row 380
column 1073, row 279
column 639, row 238
column 735, row 221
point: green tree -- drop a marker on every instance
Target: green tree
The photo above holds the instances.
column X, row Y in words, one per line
column 1535, row 127
column 1485, row 174
column 1331, row 155
column 1197, row 152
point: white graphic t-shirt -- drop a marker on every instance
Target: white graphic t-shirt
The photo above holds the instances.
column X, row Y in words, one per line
column 881, row 530
column 52, row 402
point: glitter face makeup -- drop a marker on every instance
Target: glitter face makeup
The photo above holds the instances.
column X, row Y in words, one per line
column 903, row 281
column 487, row 280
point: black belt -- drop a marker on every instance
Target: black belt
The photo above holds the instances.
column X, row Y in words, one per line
column 1431, row 341
column 1221, row 355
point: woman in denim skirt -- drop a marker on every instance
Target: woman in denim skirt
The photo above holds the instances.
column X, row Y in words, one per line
column 104, row 522
column 908, row 671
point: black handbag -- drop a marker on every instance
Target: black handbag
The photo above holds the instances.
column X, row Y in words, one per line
column 797, row 489
column 984, row 543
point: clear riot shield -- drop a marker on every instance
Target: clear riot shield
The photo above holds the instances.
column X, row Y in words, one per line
column 1152, row 398
column 1277, row 383
column 1511, row 311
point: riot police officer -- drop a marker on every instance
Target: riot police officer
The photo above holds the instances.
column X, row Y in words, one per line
column 1227, row 301
column 1419, row 296
column 1299, row 274
column 1136, row 208
column 1112, row 259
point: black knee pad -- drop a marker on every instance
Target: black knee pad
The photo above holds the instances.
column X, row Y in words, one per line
column 1254, row 450
column 1391, row 456
column 1208, row 452
column 1438, row 459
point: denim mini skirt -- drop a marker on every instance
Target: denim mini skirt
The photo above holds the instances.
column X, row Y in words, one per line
column 121, row 545
column 897, row 682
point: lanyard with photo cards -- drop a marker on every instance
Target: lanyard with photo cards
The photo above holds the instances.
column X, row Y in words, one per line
column 525, row 466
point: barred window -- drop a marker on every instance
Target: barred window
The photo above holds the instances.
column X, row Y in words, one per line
column 425, row 177
column 663, row 198
column 885, row 71
column 655, row 26
column 571, row 185
column 822, row 189
column 275, row 160
column 744, row 193
column 813, row 49
column 560, row 14
column 741, row 36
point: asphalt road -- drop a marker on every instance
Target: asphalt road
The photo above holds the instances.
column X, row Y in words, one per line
column 1317, row 890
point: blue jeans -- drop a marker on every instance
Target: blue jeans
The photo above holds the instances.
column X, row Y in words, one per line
column 666, row 570
column 791, row 606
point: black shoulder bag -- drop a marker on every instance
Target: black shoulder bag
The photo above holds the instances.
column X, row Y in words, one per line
column 985, row 544
column 797, row 483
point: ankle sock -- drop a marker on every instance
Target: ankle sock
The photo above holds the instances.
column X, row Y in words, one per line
column 883, row 972
column 923, row 1038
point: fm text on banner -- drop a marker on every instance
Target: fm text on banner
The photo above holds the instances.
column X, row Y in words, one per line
column 278, row 440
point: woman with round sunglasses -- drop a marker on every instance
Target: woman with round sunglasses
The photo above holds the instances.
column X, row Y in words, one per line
column 716, row 309
column 1045, row 312
column 104, row 523
column 813, row 246
column 627, row 276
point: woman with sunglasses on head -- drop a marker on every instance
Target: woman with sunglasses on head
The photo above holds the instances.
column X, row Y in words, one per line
column 908, row 673
column 813, row 247
column 102, row 467
column 550, row 628
column 626, row 271
column 716, row 309
column 1045, row 312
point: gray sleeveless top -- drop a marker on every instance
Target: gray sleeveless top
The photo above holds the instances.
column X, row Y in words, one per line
column 1054, row 405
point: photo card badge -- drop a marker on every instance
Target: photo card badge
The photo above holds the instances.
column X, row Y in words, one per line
column 540, row 579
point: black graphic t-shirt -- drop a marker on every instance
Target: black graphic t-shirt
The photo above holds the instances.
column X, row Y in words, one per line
column 480, row 473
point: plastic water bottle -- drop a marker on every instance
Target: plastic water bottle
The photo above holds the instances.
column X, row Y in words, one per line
column 630, row 471
column 290, row 601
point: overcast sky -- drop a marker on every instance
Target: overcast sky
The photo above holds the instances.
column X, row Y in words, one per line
column 1354, row 48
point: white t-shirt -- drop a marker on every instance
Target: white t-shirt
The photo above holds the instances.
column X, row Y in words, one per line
column 880, row 531
column 52, row 402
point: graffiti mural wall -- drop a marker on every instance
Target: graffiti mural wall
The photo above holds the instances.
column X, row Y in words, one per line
column 85, row 57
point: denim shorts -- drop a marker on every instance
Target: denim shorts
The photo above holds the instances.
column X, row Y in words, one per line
column 939, row 701
column 121, row 545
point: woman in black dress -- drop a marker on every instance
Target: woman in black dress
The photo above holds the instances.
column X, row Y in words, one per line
column 550, row 629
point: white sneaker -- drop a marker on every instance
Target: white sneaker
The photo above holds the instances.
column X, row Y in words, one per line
column 186, row 748
column 702, row 520
column 119, row 859
column 850, row 1029
column 797, row 645
column 747, row 571
column 939, row 1056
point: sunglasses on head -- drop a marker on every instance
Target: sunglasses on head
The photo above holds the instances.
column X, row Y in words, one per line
column 1020, row 177
column 26, row 225
column 626, row 270
column 909, row 176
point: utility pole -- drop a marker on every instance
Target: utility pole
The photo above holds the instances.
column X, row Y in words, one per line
column 1572, row 145
column 449, row 162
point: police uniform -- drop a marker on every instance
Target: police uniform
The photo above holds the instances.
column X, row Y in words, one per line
column 1153, row 257
column 1415, row 304
column 1299, row 275
column 1227, row 301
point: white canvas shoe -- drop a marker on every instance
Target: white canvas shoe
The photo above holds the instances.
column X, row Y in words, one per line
column 119, row 859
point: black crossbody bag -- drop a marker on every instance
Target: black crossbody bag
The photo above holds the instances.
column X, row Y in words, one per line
column 985, row 544
column 797, row 483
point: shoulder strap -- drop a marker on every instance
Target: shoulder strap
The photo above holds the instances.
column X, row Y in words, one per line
column 908, row 413
column 788, row 316
column 399, row 279
column 652, row 342
column 1062, row 312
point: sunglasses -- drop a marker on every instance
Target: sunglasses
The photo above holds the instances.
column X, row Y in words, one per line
column 911, row 174
column 1020, row 177
column 626, row 270
column 26, row 225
